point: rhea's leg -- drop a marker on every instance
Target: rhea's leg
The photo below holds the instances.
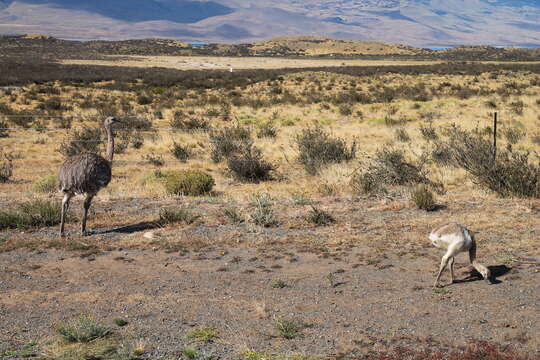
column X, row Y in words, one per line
column 87, row 203
column 452, row 268
column 65, row 207
column 444, row 262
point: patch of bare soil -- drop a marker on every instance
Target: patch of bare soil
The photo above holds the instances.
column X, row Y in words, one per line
column 347, row 304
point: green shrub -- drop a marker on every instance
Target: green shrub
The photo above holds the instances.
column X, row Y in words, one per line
column 320, row 217
column 174, row 215
column 203, row 335
column 423, row 198
column 46, row 184
column 188, row 182
column 263, row 215
column 84, row 330
column 317, row 147
column 34, row 213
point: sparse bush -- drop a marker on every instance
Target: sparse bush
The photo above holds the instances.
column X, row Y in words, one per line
column 423, row 198
column 144, row 99
column 175, row 215
column 267, row 130
column 156, row 160
column 289, row 329
column 317, row 147
column 35, row 213
column 366, row 183
column 263, row 215
column 84, row 140
column 514, row 135
column 53, row 103
column 278, row 284
column 389, row 167
column 4, row 132
column 517, row 107
column 228, row 141
column 511, row 174
column 84, row 330
column 46, row 184
column 203, row 334
column 248, row 165
column 188, row 123
column 401, row 135
column 180, row 152
column 188, row 182
column 320, row 217
column 233, row 215
column 345, row 109
column 6, row 167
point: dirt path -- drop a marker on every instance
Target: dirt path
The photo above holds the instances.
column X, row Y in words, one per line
column 358, row 307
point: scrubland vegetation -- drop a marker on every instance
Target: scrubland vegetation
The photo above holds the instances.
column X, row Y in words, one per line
column 275, row 158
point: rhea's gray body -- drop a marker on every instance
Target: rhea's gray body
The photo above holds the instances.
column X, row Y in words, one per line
column 86, row 174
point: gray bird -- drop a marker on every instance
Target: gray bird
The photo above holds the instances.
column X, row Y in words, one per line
column 86, row 173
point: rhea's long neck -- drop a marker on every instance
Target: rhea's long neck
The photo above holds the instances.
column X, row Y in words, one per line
column 110, row 144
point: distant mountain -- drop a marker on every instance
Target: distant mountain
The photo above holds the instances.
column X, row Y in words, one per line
column 426, row 23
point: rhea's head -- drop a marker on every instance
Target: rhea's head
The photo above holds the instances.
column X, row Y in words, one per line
column 110, row 121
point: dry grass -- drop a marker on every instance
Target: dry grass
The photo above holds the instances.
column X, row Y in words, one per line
column 217, row 62
column 290, row 103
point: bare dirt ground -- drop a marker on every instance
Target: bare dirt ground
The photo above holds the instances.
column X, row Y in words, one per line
column 220, row 63
column 372, row 289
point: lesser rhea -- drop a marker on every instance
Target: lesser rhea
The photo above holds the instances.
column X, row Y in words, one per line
column 456, row 238
column 86, row 173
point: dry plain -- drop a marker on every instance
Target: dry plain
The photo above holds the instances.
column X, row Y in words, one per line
column 252, row 270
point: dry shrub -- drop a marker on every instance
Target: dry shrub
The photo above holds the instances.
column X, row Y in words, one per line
column 180, row 152
column 388, row 167
column 83, row 140
column 4, row 132
column 187, row 182
column 423, row 198
column 473, row 351
column 6, row 167
column 316, row 148
column 513, row 173
column 248, row 165
column 188, row 123
column 228, row 141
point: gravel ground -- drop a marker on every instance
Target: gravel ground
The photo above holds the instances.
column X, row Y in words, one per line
column 360, row 306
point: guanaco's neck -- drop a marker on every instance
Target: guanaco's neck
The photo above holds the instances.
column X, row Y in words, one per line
column 110, row 144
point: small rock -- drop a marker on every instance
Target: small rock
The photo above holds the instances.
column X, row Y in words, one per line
column 149, row 235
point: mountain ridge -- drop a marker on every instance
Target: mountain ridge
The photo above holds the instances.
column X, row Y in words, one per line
column 424, row 23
